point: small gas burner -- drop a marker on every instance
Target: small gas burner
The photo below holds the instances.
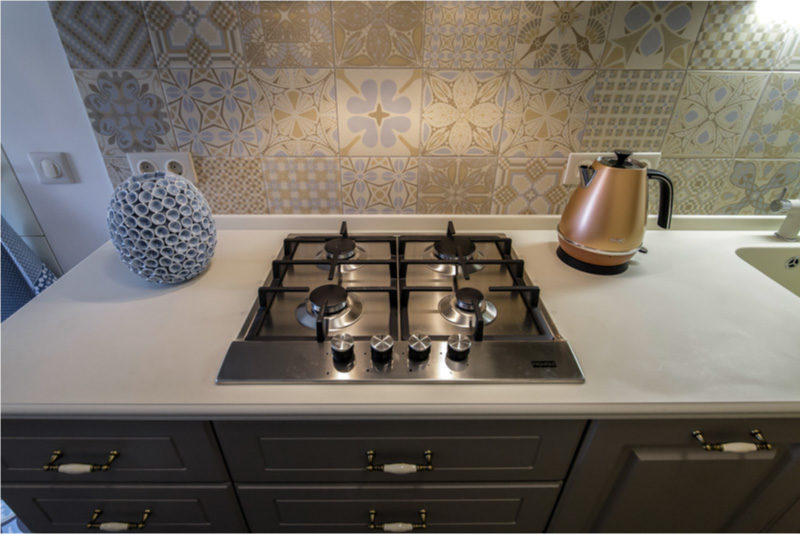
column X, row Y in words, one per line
column 339, row 309
column 459, row 308
column 341, row 249
column 453, row 247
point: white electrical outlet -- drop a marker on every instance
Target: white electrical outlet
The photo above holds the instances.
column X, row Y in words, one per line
column 572, row 176
column 179, row 163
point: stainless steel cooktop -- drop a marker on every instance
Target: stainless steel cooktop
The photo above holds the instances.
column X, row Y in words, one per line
column 445, row 308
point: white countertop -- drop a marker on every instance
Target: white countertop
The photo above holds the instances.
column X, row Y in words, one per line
column 688, row 329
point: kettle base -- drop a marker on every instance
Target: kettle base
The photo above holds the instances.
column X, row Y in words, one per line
column 589, row 267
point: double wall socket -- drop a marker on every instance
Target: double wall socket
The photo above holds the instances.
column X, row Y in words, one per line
column 179, row 163
column 572, row 176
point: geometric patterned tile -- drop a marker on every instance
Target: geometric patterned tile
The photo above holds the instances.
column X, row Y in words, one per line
column 378, row 34
column 569, row 35
column 712, row 113
column 546, row 112
column 456, row 185
column 526, row 186
column 774, row 130
column 232, row 185
column 287, row 34
column 379, row 111
column 631, row 109
column 653, row 35
column 755, row 183
column 296, row 111
column 379, row 185
column 698, row 183
column 195, row 34
column 103, row 35
column 126, row 109
column 303, row 185
column 118, row 170
column 469, row 35
column 735, row 36
column 211, row 111
column 462, row 112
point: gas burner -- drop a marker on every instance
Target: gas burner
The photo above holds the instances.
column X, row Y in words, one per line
column 448, row 268
column 453, row 247
column 341, row 248
column 459, row 308
column 341, row 309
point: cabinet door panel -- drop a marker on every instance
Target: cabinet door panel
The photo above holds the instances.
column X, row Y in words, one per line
column 319, row 451
column 448, row 507
column 149, row 451
column 174, row 507
column 653, row 476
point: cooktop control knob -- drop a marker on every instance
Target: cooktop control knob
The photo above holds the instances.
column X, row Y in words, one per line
column 419, row 347
column 458, row 346
column 381, row 347
column 342, row 348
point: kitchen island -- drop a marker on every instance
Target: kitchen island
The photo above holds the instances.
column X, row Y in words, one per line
column 689, row 336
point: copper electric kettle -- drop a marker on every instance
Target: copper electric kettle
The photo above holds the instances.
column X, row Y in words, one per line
column 603, row 225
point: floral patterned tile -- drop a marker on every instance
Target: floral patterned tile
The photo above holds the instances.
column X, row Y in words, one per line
column 530, row 186
column 126, row 109
column 378, row 34
column 462, row 112
column 755, row 183
column 379, row 185
column 546, row 112
column 712, row 113
column 456, row 185
column 296, row 111
column 287, row 34
column 774, row 130
column 303, row 185
column 379, row 111
column 103, row 35
column 118, row 170
column 567, row 35
column 468, row 35
column 631, row 109
column 232, row 185
column 653, row 35
column 734, row 36
column 211, row 111
column 698, row 183
column 195, row 34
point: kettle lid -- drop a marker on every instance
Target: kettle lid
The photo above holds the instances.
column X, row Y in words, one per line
column 621, row 161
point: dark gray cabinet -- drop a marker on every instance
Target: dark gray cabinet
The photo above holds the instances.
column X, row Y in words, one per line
column 462, row 507
column 172, row 507
column 336, row 451
column 653, row 476
column 148, row 451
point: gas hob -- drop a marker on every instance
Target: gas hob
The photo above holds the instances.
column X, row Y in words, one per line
column 447, row 308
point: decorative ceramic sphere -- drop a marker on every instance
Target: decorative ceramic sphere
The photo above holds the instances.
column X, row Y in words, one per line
column 162, row 227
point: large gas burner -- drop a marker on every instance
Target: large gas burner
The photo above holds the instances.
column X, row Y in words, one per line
column 407, row 308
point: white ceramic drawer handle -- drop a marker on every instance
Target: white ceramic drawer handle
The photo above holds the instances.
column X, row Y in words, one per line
column 759, row 443
column 398, row 526
column 77, row 469
column 116, row 526
column 400, row 468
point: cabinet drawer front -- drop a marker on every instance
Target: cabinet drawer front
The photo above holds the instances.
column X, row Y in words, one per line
column 448, row 507
column 173, row 507
column 473, row 450
column 149, row 451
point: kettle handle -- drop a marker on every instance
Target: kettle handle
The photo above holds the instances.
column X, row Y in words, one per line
column 664, row 197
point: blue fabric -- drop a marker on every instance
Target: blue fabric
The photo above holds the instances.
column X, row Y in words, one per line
column 23, row 274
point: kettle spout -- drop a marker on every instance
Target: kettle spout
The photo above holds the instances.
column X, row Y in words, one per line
column 587, row 173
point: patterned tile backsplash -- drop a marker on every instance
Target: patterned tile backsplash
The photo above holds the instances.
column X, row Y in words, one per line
column 440, row 107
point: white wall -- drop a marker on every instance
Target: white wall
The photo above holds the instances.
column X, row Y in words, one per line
column 42, row 111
